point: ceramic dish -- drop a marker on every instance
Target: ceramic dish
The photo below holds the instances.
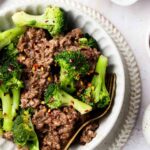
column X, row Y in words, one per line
column 146, row 124
column 88, row 24
column 124, row 2
column 148, row 44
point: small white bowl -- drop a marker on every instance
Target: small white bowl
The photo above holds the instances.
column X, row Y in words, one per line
column 148, row 43
column 146, row 124
column 124, row 2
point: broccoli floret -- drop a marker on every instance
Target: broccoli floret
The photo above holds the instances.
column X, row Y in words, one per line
column 52, row 20
column 8, row 53
column 10, row 35
column 56, row 97
column 88, row 40
column 97, row 94
column 23, row 132
column 72, row 64
column 10, row 86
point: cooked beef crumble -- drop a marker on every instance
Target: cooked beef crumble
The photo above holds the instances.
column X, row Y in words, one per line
column 8, row 135
column 36, row 53
column 23, row 148
column 88, row 133
column 55, row 127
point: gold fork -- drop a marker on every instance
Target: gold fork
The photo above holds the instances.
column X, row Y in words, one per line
column 111, row 87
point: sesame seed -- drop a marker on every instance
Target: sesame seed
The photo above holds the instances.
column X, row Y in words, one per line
column 49, row 79
column 42, row 102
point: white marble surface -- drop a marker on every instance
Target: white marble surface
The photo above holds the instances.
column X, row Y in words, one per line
column 134, row 23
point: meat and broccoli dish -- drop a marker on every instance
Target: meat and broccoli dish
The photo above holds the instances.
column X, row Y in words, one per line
column 50, row 76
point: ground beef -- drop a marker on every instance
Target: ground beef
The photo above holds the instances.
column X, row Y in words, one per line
column 55, row 127
column 88, row 133
column 35, row 53
column 8, row 136
column 23, row 148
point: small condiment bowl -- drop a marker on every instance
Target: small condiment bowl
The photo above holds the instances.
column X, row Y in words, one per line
column 124, row 2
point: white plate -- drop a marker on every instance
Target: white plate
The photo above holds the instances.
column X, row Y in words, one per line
column 108, row 47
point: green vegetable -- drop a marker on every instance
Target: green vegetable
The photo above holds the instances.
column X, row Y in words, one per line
column 10, row 85
column 88, row 40
column 73, row 64
column 1, row 122
column 52, row 20
column 97, row 94
column 23, row 132
column 56, row 97
column 10, row 35
column 8, row 53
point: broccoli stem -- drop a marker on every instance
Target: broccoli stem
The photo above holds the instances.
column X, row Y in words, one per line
column 100, row 93
column 7, row 108
column 97, row 94
column 68, row 100
column 52, row 20
column 16, row 101
column 27, row 19
column 8, row 36
column 34, row 145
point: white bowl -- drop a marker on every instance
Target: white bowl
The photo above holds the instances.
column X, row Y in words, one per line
column 146, row 124
column 124, row 2
column 108, row 47
column 148, row 43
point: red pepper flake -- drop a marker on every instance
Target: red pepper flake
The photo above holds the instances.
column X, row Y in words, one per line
column 35, row 67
